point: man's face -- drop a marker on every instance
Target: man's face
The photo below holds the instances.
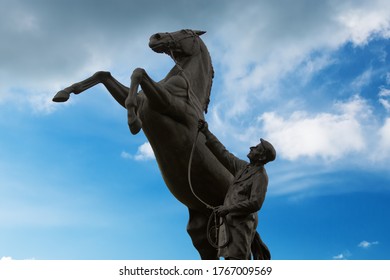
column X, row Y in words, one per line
column 255, row 153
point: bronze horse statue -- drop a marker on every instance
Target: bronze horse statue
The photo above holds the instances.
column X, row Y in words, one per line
column 168, row 112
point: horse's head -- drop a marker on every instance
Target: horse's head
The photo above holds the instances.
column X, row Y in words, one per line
column 182, row 46
column 178, row 44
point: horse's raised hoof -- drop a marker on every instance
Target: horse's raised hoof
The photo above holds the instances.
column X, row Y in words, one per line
column 61, row 96
column 135, row 126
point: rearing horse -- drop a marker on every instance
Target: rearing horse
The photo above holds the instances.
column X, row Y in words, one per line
column 168, row 112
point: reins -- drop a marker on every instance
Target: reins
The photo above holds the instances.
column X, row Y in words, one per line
column 218, row 221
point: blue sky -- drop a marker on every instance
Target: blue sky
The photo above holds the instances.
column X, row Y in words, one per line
column 312, row 77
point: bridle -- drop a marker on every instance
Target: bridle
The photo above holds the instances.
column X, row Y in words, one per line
column 190, row 33
column 174, row 43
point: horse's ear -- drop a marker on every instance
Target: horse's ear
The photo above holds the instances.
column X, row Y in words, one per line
column 198, row 32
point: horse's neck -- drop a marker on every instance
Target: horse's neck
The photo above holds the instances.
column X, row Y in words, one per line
column 173, row 72
column 196, row 70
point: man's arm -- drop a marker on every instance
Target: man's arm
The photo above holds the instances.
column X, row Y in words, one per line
column 231, row 162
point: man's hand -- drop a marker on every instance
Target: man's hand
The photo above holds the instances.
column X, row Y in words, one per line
column 203, row 126
column 222, row 210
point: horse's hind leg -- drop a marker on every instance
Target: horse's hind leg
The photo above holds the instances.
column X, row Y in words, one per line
column 197, row 229
column 117, row 90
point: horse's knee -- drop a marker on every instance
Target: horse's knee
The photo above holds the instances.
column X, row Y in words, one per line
column 101, row 75
column 137, row 75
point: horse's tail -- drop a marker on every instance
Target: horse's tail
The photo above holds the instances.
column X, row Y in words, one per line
column 259, row 249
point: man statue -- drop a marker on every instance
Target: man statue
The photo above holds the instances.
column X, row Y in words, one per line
column 244, row 197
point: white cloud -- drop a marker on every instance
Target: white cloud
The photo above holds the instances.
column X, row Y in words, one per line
column 339, row 257
column 126, row 155
column 144, row 153
column 257, row 61
column 265, row 42
column 388, row 78
column 362, row 22
column 343, row 256
column 365, row 244
column 325, row 135
column 42, row 103
column 279, row 39
column 385, row 103
column 384, row 92
column 362, row 80
column 384, row 95
column 384, row 134
column 312, row 65
column 383, row 148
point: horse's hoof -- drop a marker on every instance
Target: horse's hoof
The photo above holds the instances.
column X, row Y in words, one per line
column 135, row 126
column 61, row 96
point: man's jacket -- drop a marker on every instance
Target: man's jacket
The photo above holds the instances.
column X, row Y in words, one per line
column 247, row 193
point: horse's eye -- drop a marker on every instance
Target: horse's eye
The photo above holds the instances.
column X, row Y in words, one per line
column 157, row 36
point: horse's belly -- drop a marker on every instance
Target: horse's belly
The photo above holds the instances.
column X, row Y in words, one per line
column 172, row 146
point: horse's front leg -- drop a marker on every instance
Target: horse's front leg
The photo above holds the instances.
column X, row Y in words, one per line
column 158, row 97
column 133, row 120
column 116, row 89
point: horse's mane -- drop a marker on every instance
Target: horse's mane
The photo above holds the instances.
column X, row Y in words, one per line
column 204, row 49
column 210, row 84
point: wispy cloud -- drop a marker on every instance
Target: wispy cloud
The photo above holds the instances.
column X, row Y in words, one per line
column 362, row 80
column 5, row 258
column 347, row 254
column 144, row 153
column 383, row 149
column 42, row 103
column 366, row 244
column 126, row 155
column 339, row 257
column 342, row 256
column 384, row 98
column 388, row 78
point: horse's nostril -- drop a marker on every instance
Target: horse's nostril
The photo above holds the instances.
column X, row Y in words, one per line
column 157, row 36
